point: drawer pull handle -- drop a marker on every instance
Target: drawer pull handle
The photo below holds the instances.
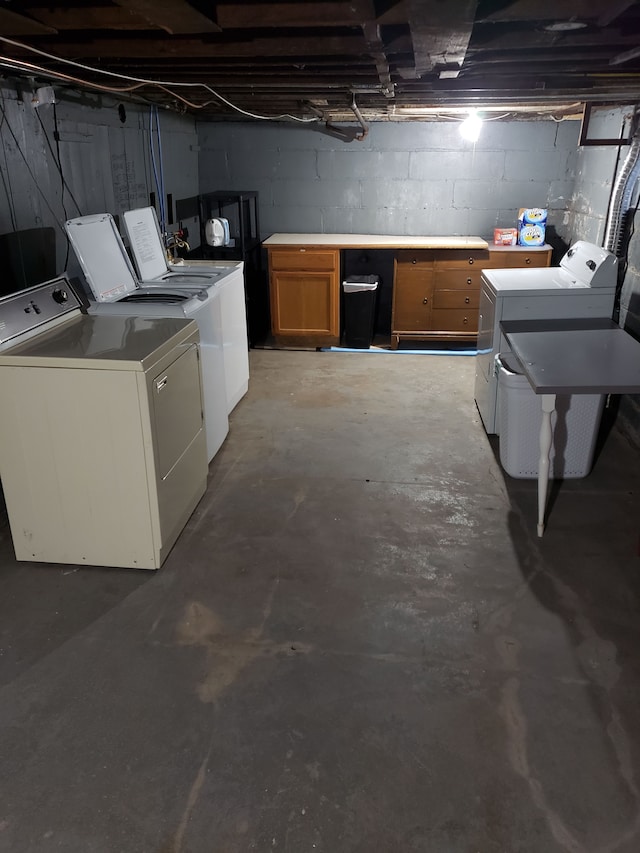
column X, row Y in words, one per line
column 413, row 260
column 468, row 281
column 467, row 300
column 161, row 383
column 527, row 260
column 466, row 320
column 471, row 260
column 425, row 300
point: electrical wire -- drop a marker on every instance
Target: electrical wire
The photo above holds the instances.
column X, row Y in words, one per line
column 56, row 156
column 62, row 181
column 254, row 115
column 157, row 169
column 28, row 167
column 165, row 217
column 20, row 65
column 139, row 81
column 6, row 182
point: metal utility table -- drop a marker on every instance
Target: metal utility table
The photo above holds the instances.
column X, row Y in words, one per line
column 571, row 357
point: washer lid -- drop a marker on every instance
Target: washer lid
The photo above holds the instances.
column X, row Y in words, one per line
column 102, row 256
column 143, row 232
column 103, row 343
column 588, row 263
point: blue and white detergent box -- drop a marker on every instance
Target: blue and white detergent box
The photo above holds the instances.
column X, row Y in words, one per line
column 531, row 226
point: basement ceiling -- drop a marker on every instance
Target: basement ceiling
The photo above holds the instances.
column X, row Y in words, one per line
column 331, row 60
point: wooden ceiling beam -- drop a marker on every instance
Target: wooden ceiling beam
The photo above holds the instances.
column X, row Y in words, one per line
column 613, row 11
column 302, row 47
column 174, row 16
column 91, row 18
column 550, row 10
column 440, row 32
column 13, row 24
column 540, row 40
column 231, row 16
column 376, row 49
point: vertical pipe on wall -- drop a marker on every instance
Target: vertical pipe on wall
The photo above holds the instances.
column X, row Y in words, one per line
column 622, row 197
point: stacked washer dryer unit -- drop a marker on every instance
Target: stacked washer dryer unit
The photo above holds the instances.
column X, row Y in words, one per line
column 149, row 256
column 102, row 441
column 116, row 292
column 583, row 286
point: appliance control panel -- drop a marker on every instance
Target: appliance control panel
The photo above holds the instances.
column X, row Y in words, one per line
column 26, row 310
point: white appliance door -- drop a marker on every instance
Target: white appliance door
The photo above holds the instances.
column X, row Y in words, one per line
column 177, row 408
column 102, row 256
column 143, row 232
column 209, row 319
column 234, row 337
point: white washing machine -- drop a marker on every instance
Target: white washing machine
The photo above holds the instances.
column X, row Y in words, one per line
column 117, row 292
column 149, row 256
column 109, row 271
column 584, row 285
column 102, row 441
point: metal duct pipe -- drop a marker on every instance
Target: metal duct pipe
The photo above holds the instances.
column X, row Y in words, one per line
column 621, row 199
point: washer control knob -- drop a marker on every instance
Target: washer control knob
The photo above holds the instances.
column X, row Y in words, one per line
column 60, row 296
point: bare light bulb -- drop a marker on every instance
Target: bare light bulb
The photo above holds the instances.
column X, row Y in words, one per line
column 471, row 126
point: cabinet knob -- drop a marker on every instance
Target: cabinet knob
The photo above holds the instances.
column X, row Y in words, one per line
column 466, row 320
column 471, row 260
column 413, row 260
column 467, row 300
column 468, row 281
column 527, row 260
column 425, row 300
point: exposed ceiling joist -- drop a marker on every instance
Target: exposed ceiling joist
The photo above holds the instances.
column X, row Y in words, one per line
column 376, row 48
column 550, row 10
column 252, row 15
column 271, row 58
column 614, row 10
column 14, row 24
column 440, row 33
column 174, row 16
column 191, row 47
column 91, row 18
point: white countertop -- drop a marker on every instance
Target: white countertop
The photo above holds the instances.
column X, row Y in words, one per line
column 375, row 241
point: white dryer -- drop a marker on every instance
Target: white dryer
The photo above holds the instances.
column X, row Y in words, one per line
column 102, row 441
column 584, row 285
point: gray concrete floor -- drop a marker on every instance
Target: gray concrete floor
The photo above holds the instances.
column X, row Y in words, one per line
column 357, row 644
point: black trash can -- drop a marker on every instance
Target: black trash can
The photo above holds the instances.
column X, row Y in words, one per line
column 360, row 293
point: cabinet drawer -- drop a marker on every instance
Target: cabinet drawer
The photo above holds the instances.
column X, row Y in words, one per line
column 462, row 279
column 456, row 259
column 413, row 277
column 466, row 301
column 454, row 320
column 304, row 259
column 514, row 260
column 414, row 258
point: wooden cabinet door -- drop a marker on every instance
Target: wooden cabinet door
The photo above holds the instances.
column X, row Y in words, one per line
column 305, row 303
column 412, row 298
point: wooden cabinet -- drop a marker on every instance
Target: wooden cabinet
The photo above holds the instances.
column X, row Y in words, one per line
column 305, row 296
column 436, row 293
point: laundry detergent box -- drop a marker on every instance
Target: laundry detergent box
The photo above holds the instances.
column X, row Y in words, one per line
column 532, row 223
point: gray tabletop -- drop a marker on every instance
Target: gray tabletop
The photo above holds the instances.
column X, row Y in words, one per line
column 581, row 357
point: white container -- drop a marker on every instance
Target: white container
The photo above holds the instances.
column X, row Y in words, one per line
column 575, row 426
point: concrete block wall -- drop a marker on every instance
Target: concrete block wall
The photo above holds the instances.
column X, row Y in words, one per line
column 596, row 170
column 105, row 162
column 404, row 178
